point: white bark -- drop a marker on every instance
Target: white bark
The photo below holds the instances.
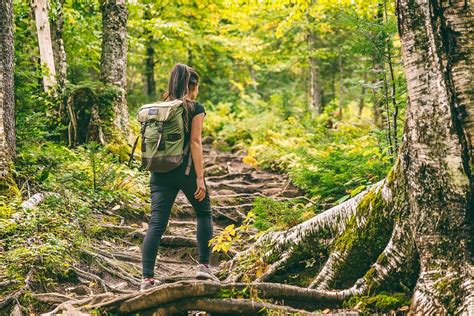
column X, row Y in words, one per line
column 43, row 31
column 437, row 52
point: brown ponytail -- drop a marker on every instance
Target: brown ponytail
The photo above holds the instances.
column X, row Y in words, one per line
column 183, row 79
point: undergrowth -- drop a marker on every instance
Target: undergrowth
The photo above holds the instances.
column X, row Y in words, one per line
column 331, row 159
column 91, row 188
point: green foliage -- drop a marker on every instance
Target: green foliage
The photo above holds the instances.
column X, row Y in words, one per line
column 329, row 163
column 279, row 215
column 383, row 302
column 90, row 182
column 45, row 237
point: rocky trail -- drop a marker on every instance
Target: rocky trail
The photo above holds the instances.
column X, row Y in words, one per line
column 115, row 269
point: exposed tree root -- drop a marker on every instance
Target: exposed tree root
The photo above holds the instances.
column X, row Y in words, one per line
column 74, row 306
column 274, row 267
column 52, row 298
column 92, row 277
column 329, row 270
column 15, row 295
column 227, row 306
column 4, row 284
column 177, row 292
column 332, row 222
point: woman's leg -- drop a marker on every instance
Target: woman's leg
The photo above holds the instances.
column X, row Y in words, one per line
column 162, row 199
column 203, row 214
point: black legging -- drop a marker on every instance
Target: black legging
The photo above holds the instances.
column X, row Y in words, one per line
column 164, row 187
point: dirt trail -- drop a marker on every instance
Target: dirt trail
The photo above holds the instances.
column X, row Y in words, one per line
column 233, row 186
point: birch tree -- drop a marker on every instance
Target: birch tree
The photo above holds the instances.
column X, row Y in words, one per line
column 7, row 110
column 425, row 203
column 43, row 30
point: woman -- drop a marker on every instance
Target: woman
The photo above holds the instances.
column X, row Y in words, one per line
column 184, row 85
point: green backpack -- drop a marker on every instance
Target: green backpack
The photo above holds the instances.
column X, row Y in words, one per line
column 162, row 133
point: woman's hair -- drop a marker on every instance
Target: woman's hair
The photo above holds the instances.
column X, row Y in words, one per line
column 183, row 80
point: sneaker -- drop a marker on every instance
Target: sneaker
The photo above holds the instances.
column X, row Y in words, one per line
column 204, row 273
column 148, row 284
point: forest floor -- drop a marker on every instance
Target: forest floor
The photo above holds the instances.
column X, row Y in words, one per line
column 115, row 261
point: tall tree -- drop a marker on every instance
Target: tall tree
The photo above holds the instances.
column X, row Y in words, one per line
column 421, row 215
column 114, row 57
column 7, row 109
column 150, row 84
column 59, row 53
column 314, row 88
column 43, row 31
column 438, row 153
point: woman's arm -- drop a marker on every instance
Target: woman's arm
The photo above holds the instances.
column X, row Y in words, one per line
column 196, row 154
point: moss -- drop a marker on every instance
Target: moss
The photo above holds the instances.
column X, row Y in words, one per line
column 8, row 187
column 363, row 244
column 449, row 292
column 120, row 149
column 381, row 303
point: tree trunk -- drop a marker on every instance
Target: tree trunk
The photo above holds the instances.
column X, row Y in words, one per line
column 341, row 84
column 314, row 88
column 150, row 60
column 438, row 155
column 253, row 77
column 7, row 105
column 363, row 89
column 41, row 8
column 114, row 59
column 59, row 52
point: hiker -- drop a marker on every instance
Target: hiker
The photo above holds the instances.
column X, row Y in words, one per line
column 184, row 156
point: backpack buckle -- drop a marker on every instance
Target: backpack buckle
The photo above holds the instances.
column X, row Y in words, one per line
column 160, row 127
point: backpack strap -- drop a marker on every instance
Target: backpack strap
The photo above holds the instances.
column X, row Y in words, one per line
column 135, row 143
column 133, row 151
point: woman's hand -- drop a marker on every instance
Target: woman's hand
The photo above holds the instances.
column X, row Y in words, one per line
column 200, row 193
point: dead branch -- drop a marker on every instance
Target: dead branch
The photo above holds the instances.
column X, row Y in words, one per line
column 37, row 199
